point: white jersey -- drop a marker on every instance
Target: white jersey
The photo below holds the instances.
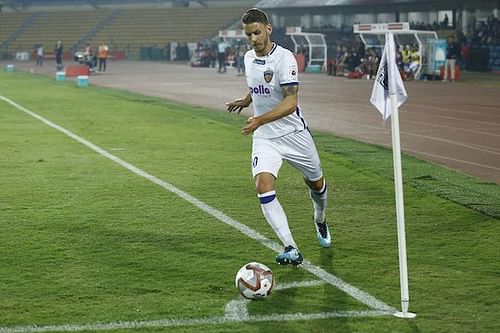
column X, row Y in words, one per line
column 266, row 77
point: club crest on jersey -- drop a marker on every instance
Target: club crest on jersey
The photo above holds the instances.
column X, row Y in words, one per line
column 268, row 75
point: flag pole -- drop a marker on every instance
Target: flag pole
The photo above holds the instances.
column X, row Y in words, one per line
column 398, row 181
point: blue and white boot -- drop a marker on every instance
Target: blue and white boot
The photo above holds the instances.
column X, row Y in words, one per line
column 290, row 256
column 323, row 233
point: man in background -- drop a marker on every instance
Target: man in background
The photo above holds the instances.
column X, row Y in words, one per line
column 452, row 54
column 102, row 54
column 58, row 50
column 39, row 55
column 221, row 55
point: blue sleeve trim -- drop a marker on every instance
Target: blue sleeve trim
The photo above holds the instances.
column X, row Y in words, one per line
column 289, row 84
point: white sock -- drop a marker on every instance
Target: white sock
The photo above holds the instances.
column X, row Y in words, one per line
column 276, row 217
column 319, row 200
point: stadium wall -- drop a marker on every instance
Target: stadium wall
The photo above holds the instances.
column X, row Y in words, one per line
column 463, row 13
column 40, row 6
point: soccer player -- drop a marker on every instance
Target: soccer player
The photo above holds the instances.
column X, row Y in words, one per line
column 279, row 132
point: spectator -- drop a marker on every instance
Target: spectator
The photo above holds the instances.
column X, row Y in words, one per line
column 39, row 55
column 452, row 54
column 406, row 57
column 342, row 61
column 446, row 21
column 399, row 58
column 221, row 55
column 213, row 55
column 59, row 55
column 414, row 62
column 354, row 61
column 240, row 59
column 368, row 67
column 465, row 55
column 231, row 55
column 88, row 55
column 103, row 56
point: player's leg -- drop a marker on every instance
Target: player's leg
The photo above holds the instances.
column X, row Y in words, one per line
column 272, row 209
column 266, row 162
column 452, row 69
column 445, row 74
column 318, row 192
column 305, row 158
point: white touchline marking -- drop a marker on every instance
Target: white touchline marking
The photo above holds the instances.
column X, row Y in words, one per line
column 176, row 84
column 238, row 309
column 189, row 322
column 235, row 311
column 451, row 142
column 428, row 137
column 485, row 166
column 298, row 284
column 454, row 128
column 354, row 292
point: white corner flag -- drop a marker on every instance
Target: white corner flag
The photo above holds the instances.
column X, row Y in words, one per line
column 380, row 93
column 387, row 96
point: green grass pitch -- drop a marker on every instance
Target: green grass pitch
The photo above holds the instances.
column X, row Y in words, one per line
column 84, row 241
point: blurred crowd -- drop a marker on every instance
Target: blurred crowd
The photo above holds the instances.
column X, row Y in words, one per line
column 348, row 56
column 486, row 32
column 356, row 62
column 221, row 54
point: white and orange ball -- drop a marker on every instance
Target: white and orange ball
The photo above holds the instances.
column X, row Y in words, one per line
column 255, row 280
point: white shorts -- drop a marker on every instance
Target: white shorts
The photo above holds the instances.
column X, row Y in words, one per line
column 296, row 148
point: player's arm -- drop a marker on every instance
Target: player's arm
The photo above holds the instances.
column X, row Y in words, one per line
column 287, row 106
column 239, row 103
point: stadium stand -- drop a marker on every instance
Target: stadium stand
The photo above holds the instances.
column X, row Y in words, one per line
column 126, row 30
column 13, row 25
column 49, row 27
column 136, row 29
column 130, row 26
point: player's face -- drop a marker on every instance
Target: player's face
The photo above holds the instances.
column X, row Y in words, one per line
column 258, row 37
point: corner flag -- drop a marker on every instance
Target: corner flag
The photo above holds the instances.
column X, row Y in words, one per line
column 380, row 93
column 387, row 95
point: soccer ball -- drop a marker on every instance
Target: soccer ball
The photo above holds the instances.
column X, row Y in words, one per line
column 254, row 280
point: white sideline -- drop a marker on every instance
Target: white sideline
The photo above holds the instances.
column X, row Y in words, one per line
column 235, row 311
column 189, row 322
column 337, row 282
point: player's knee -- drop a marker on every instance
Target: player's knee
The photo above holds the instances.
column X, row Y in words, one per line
column 317, row 185
column 264, row 182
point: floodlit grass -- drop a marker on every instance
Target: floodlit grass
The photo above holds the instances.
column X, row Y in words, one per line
column 83, row 240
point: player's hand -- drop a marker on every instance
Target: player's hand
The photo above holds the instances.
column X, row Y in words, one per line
column 252, row 125
column 237, row 105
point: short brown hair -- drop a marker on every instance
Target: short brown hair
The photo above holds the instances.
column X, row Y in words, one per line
column 255, row 15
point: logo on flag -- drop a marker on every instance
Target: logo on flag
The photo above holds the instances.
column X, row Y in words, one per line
column 387, row 72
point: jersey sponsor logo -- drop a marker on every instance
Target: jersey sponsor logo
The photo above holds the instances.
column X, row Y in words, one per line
column 268, row 75
column 260, row 90
column 259, row 62
column 293, row 71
